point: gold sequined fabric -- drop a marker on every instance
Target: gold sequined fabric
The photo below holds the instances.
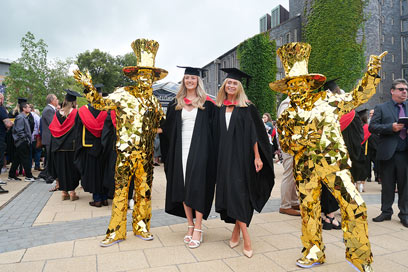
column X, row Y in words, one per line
column 311, row 132
column 138, row 113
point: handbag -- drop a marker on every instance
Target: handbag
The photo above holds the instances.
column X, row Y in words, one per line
column 38, row 144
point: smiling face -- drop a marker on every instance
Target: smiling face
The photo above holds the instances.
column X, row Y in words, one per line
column 191, row 82
column 399, row 93
column 232, row 87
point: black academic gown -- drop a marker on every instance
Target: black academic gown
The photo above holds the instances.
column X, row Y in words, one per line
column 240, row 189
column 61, row 163
column 87, row 158
column 109, row 155
column 197, row 189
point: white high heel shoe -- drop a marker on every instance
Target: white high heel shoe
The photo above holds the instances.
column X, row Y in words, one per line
column 188, row 238
column 196, row 243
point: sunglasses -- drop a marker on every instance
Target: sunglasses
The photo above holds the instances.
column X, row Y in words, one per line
column 402, row 89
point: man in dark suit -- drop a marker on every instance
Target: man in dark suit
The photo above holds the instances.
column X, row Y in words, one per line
column 393, row 157
column 46, row 119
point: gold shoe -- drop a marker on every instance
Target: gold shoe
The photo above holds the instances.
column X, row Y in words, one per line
column 361, row 267
column 147, row 236
column 110, row 240
column 233, row 244
column 306, row 263
column 248, row 253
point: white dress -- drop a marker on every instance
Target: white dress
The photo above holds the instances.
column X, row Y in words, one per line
column 228, row 118
column 187, row 127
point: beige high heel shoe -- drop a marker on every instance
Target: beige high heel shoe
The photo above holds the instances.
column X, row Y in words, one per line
column 233, row 244
column 248, row 253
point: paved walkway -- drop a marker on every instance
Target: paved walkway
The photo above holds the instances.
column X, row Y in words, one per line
column 31, row 242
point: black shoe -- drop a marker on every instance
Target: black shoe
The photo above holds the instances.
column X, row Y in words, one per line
column 13, row 178
column 2, row 191
column 49, row 180
column 404, row 222
column 382, row 217
column 105, row 202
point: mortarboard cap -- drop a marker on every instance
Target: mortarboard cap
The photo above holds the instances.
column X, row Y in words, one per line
column 71, row 95
column 21, row 100
column 192, row 70
column 237, row 74
column 331, row 84
column 98, row 87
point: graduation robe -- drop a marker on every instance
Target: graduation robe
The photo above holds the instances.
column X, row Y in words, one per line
column 88, row 150
column 240, row 189
column 62, row 149
column 108, row 141
column 197, row 190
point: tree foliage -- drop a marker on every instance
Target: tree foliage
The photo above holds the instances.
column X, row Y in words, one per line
column 32, row 77
column 106, row 69
column 257, row 58
column 335, row 31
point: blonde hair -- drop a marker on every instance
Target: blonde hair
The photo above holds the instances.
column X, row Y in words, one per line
column 197, row 102
column 67, row 106
column 241, row 98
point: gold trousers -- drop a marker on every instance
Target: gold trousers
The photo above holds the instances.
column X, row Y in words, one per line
column 309, row 178
column 141, row 172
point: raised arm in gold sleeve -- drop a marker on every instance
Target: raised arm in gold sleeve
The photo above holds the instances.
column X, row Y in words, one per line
column 365, row 88
column 93, row 97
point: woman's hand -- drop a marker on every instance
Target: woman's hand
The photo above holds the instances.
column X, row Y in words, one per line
column 159, row 130
column 258, row 164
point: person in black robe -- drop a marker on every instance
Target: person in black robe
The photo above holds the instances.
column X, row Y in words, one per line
column 88, row 151
column 63, row 134
column 187, row 140
column 245, row 174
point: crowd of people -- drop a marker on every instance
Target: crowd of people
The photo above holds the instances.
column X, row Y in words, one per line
column 223, row 149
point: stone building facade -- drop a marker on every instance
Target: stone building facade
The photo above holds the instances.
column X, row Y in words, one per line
column 386, row 29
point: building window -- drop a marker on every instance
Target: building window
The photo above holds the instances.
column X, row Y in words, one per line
column 392, row 21
column 287, row 37
column 404, row 7
column 404, row 25
column 281, row 41
column 295, row 38
column 405, row 73
column 404, row 49
column 383, row 38
column 383, row 76
column 382, row 19
column 392, row 58
column 391, row 3
column 393, row 76
column 392, row 39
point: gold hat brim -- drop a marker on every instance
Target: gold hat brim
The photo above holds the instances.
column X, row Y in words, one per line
column 132, row 72
column 315, row 81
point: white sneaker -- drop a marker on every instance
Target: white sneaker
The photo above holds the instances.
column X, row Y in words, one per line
column 29, row 179
column 3, row 182
column 360, row 187
column 131, row 204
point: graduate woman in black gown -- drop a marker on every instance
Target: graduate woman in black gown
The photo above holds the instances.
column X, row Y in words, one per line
column 63, row 133
column 187, row 144
column 245, row 174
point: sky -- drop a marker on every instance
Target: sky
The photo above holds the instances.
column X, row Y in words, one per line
column 190, row 32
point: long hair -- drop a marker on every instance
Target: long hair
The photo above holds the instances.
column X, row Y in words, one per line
column 197, row 102
column 241, row 97
column 267, row 114
column 67, row 106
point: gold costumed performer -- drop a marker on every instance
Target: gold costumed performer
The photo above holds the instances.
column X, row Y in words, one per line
column 311, row 133
column 138, row 113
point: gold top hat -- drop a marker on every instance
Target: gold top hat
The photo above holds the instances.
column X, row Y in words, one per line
column 145, row 51
column 295, row 59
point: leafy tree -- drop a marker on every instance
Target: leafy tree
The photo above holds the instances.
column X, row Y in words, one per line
column 32, row 77
column 28, row 75
column 257, row 58
column 332, row 29
column 105, row 68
